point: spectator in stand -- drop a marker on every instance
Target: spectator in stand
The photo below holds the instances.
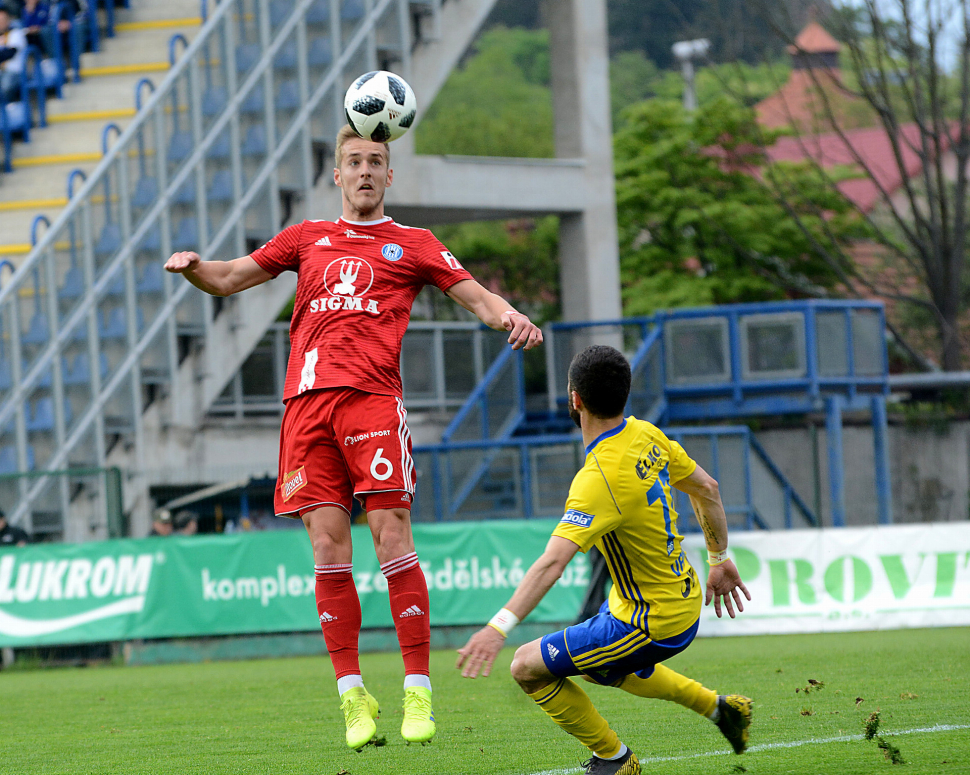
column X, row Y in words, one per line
column 11, row 535
column 13, row 47
column 186, row 523
column 33, row 19
column 162, row 524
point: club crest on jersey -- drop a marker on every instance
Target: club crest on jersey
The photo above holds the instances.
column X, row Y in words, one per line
column 392, row 252
column 579, row 518
column 292, row 482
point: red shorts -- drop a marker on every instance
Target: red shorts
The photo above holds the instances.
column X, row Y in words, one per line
column 338, row 443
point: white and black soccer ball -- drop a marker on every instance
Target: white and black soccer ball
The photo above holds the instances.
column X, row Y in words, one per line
column 380, row 106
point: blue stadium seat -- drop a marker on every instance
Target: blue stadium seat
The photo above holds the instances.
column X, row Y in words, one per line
column 37, row 330
column 6, row 375
column 247, row 55
column 146, row 192
column 186, row 235
column 152, row 241
column 286, row 59
column 319, row 12
column 254, row 101
column 279, row 11
column 79, row 372
column 255, row 142
column 117, row 285
column 221, row 188
column 180, row 147
column 73, row 287
column 40, row 416
column 109, row 242
column 288, row 95
column 8, row 459
column 214, row 100
column 219, row 150
column 185, row 194
column 321, row 52
column 113, row 326
column 151, row 279
column 352, row 10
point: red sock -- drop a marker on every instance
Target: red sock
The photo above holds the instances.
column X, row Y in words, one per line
column 408, row 591
column 339, row 609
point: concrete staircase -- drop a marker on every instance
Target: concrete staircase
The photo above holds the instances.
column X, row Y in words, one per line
column 106, row 94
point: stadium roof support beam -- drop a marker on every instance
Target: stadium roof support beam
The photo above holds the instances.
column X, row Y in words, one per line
column 589, row 255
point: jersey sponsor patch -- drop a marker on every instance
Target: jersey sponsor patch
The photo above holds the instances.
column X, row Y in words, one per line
column 450, row 260
column 392, row 251
column 579, row 518
column 292, row 482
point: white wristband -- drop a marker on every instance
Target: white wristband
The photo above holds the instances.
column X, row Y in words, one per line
column 716, row 558
column 512, row 312
column 504, row 621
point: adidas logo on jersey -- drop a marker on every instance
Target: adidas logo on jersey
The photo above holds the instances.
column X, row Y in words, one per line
column 325, row 241
column 412, row 611
column 553, row 651
column 325, row 617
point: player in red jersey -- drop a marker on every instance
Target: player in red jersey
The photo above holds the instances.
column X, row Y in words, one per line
column 344, row 432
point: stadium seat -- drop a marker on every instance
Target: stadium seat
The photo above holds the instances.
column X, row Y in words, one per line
column 214, row 100
column 40, row 415
column 286, row 59
column 221, row 188
column 37, row 330
column 288, row 95
column 6, row 375
column 79, row 372
column 73, row 287
column 152, row 241
column 117, row 285
column 247, row 55
column 113, row 326
column 151, row 279
column 8, row 459
column 353, row 10
column 320, row 53
column 318, row 12
column 146, row 192
column 185, row 194
column 109, row 242
column 255, row 142
column 279, row 11
column 219, row 150
column 254, row 101
column 180, row 147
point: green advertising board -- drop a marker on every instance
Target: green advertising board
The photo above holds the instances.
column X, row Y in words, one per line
column 257, row 583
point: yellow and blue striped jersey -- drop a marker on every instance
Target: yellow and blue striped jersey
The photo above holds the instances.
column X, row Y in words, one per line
column 621, row 503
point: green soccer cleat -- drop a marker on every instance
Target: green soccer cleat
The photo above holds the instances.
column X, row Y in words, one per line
column 418, row 725
column 735, row 719
column 625, row 765
column 360, row 710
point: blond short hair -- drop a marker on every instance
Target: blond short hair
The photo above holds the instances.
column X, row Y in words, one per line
column 347, row 133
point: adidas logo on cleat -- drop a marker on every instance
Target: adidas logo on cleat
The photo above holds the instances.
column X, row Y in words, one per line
column 325, row 617
column 325, row 241
column 412, row 611
column 553, row 651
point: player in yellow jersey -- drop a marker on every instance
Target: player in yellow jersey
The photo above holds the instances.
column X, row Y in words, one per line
column 621, row 503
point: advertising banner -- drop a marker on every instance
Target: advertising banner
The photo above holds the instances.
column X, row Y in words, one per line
column 831, row 580
column 800, row 581
column 257, row 582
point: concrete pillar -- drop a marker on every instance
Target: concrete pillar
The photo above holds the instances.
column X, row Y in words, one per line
column 589, row 256
column 833, row 437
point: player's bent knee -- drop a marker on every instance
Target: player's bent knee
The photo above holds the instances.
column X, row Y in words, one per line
column 527, row 668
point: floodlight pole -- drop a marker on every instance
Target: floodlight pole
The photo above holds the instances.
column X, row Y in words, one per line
column 686, row 51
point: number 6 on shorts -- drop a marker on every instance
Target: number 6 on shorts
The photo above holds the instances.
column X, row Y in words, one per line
column 377, row 463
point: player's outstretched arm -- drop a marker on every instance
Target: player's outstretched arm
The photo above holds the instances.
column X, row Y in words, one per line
column 495, row 312
column 479, row 653
column 218, row 278
column 723, row 580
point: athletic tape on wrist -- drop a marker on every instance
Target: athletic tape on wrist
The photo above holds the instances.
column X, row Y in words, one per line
column 512, row 312
column 716, row 558
column 504, row 621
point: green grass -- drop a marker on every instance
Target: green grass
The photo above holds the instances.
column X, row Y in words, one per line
column 276, row 717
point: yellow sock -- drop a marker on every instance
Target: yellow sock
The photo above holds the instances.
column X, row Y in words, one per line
column 665, row 684
column 570, row 707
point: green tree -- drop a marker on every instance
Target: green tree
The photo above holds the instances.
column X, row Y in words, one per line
column 498, row 104
column 697, row 224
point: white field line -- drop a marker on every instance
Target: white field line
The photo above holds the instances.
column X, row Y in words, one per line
column 774, row 746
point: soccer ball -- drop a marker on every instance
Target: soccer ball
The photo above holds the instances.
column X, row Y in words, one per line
column 380, row 106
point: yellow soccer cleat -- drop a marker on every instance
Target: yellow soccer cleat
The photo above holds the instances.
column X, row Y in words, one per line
column 735, row 719
column 418, row 725
column 360, row 710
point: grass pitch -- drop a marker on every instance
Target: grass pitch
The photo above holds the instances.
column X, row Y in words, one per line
column 277, row 717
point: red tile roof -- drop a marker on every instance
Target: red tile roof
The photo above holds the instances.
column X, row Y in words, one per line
column 815, row 40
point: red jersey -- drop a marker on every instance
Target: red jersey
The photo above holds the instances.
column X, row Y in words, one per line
column 355, row 288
